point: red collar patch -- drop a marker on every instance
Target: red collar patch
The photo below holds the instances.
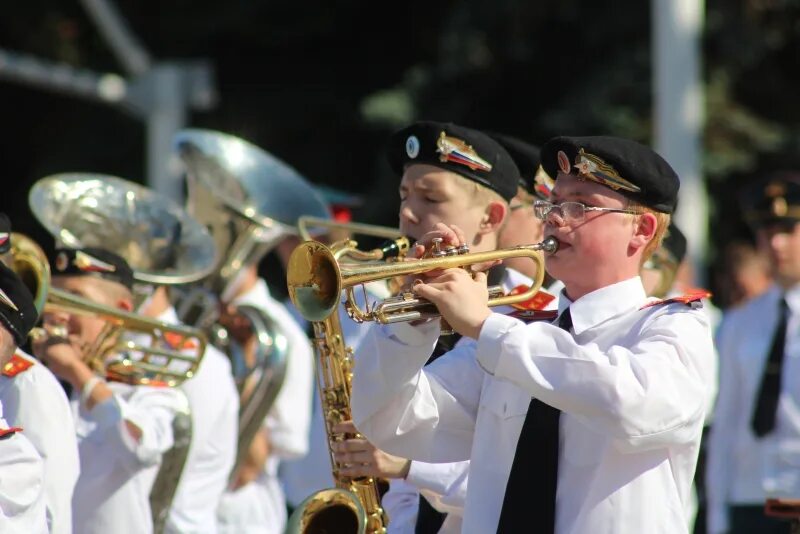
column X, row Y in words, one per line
column 16, row 365
column 7, row 432
column 537, row 302
column 691, row 298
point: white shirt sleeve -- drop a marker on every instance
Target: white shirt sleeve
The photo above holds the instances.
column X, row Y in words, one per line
column 289, row 419
column 444, row 485
column 22, row 504
column 643, row 396
column 401, row 504
column 422, row 414
column 42, row 409
column 152, row 410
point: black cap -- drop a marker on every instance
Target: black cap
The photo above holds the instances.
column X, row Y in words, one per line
column 526, row 156
column 5, row 233
column 674, row 243
column 633, row 169
column 92, row 261
column 467, row 152
column 17, row 311
column 772, row 199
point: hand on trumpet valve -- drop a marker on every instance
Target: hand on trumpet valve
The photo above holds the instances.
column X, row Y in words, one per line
column 60, row 351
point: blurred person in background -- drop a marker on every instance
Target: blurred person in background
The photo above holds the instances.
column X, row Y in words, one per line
column 754, row 448
column 745, row 274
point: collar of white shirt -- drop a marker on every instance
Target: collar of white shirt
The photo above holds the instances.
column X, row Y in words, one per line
column 603, row 304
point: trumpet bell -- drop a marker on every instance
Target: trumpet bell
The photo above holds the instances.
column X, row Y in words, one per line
column 314, row 280
column 160, row 242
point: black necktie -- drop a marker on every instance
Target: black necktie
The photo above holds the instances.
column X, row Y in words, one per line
column 529, row 504
column 763, row 421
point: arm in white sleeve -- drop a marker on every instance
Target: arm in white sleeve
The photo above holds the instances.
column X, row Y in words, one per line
column 427, row 415
column 723, row 429
column 643, row 395
column 289, row 419
column 444, row 485
column 401, row 504
column 151, row 410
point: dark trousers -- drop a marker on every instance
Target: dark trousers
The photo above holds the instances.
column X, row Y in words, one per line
column 751, row 520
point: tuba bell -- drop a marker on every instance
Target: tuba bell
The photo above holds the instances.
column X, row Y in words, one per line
column 162, row 245
column 250, row 201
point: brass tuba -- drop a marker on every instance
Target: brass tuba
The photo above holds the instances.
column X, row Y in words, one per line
column 250, row 201
column 162, row 245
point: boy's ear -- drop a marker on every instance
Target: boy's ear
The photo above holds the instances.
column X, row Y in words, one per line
column 645, row 230
column 493, row 217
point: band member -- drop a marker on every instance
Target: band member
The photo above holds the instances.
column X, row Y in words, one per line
column 122, row 429
column 256, row 502
column 22, row 484
column 426, row 176
column 33, row 399
column 753, row 448
column 214, row 403
column 591, row 423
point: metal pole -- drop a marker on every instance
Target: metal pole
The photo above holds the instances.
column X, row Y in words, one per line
column 679, row 116
column 166, row 116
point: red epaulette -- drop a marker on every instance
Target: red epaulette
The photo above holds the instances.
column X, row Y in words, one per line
column 691, row 298
column 537, row 302
column 16, row 365
column 530, row 316
column 8, row 432
column 179, row 342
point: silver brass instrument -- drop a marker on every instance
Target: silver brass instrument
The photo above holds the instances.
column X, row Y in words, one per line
column 250, row 201
column 162, row 245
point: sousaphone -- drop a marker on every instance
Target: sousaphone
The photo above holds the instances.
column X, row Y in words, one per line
column 163, row 246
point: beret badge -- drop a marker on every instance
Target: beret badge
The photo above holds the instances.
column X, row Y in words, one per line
column 457, row 151
column 4, row 236
column 595, row 169
column 412, row 146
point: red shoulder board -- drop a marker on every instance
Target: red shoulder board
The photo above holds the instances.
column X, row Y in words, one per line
column 8, row 432
column 177, row 341
column 16, row 365
column 530, row 316
column 691, row 299
column 537, row 302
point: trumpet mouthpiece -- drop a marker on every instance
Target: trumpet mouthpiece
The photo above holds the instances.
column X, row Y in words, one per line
column 550, row 244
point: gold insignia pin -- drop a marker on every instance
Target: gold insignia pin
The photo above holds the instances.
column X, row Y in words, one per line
column 595, row 169
column 455, row 150
column 5, row 299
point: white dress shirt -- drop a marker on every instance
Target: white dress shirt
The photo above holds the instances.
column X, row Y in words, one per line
column 22, row 498
column 117, row 472
column 214, row 403
column 444, row 485
column 629, row 384
column 34, row 400
column 743, row 469
column 260, row 507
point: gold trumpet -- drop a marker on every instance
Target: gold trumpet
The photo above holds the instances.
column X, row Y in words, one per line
column 316, row 280
column 171, row 355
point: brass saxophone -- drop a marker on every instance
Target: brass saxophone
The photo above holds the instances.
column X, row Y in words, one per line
column 355, row 504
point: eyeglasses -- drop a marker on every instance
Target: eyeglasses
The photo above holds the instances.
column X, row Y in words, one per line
column 569, row 211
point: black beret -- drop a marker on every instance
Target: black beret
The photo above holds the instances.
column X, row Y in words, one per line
column 674, row 243
column 467, row 152
column 92, row 261
column 5, row 233
column 633, row 169
column 772, row 199
column 526, row 156
column 17, row 311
